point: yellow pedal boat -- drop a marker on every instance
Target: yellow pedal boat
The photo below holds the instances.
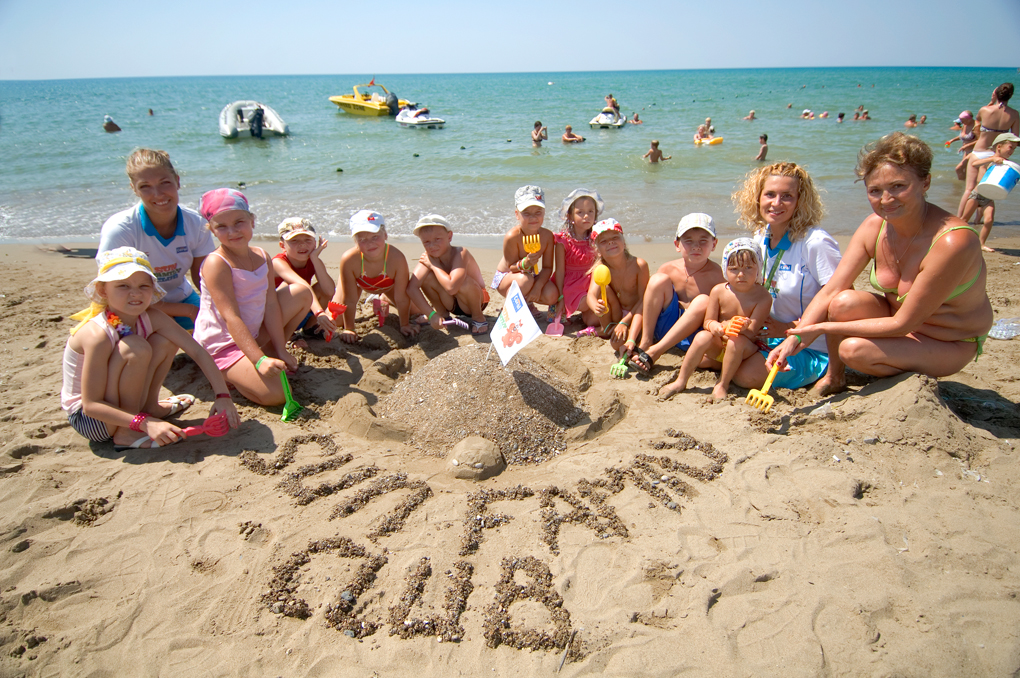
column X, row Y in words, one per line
column 368, row 100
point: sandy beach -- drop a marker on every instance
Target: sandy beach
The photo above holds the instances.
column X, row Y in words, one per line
column 873, row 533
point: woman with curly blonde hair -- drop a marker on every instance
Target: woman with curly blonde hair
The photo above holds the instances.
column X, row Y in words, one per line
column 929, row 312
column 780, row 205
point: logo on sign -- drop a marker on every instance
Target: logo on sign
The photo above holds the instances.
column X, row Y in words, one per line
column 517, row 302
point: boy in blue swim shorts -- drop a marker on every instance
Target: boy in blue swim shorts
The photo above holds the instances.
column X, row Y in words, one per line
column 677, row 295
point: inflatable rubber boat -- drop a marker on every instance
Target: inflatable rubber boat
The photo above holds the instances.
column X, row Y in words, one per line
column 412, row 116
column 242, row 119
column 608, row 119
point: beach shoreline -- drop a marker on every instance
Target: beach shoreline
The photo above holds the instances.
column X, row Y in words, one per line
column 874, row 535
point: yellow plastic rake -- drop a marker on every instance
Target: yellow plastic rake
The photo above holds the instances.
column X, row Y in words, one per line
column 532, row 244
column 761, row 399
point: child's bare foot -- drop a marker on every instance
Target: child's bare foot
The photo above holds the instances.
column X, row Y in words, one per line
column 986, row 248
column 720, row 392
column 670, row 390
column 828, row 385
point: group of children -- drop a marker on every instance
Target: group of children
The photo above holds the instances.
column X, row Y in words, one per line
column 238, row 324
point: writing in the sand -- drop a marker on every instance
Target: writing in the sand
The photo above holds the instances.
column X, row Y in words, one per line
column 584, row 504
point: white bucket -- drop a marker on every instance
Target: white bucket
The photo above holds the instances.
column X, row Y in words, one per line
column 999, row 180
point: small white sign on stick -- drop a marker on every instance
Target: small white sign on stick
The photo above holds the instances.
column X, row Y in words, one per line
column 515, row 327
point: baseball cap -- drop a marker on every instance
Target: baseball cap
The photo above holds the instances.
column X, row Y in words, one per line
column 367, row 221
column 294, row 226
column 696, row 220
column 605, row 225
column 432, row 220
column 1005, row 136
column 529, row 195
column 222, row 200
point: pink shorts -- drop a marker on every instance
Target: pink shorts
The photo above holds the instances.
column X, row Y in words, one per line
column 227, row 356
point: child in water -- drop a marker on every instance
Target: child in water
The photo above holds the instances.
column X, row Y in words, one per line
column 299, row 264
column 244, row 320
column 654, row 155
column 119, row 354
column 173, row 238
column 520, row 266
column 620, row 315
column 374, row 267
column 743, row 296
column 575, row 253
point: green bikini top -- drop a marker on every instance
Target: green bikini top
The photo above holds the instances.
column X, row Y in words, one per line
column 957, row 292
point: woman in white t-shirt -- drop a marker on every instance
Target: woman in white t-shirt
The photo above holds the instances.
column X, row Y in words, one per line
column 780, row 205
column 174, row 238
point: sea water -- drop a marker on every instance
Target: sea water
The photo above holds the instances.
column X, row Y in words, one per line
column 61, row 175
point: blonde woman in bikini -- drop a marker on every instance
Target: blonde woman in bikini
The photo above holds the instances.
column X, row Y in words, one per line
column 929, row 312
column 374, row 267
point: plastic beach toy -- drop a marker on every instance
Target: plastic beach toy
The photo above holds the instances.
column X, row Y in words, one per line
column 457, row 322
column 381, row 308
column 291, row 407
column 555, row 328
column 735, row 324
column 214, row 426
column 532, row 244
column 761, row 399
column 602, row 278
column 335, row 310
column 619, row 370
column 999, row 180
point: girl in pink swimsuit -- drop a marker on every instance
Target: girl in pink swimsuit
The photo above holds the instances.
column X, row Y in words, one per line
column 575, row 252
column 243, row 320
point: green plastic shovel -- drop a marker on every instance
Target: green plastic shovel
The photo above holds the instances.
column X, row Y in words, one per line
column 291, row 407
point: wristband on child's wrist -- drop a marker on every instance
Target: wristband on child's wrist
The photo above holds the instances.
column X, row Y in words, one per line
column 136, row 423
column 260, row 361
column 223, row 395
column 432, row 314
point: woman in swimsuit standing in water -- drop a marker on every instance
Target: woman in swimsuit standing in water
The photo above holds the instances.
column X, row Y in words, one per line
column 995, row 118
column 930, row 312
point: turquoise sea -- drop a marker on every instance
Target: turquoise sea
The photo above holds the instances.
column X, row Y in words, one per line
column 61, row 175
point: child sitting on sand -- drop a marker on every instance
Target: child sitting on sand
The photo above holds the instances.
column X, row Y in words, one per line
column 372, row 266
column 299, row 263
column 173, row 238
column 118, row 355
column 620, row 315
column 677, row 295
column 448, row 276
column 654, row 155
column 741, row 296
column 1002, row 149
column 520, row 266
column 575, row 253
column 244, row 320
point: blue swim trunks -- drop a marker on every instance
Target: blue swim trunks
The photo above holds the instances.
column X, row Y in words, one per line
column 669, row 317
column 184, row 321
column 806, row 367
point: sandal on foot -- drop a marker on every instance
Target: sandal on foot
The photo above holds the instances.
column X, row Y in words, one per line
column 641, row 361
column 178, row 404
column 479, row 326
column 137, row 445
column 590, row 331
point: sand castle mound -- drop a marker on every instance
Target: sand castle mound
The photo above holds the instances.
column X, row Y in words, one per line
column 525, row 408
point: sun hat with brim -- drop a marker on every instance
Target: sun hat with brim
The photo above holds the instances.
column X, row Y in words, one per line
column 432, row 220
column 529, row 195
column 1005, row 136
column 744, row 244
column 696, row 220
column 119, row 264
column 367, row 221
column 222, row 200
column 295, row 226
column 605, row 226
column 576, row 195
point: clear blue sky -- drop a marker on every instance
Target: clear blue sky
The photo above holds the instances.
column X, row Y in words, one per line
column 46, row 39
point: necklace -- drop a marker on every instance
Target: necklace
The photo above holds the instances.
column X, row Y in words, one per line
column 905, row 249
column 687, row 275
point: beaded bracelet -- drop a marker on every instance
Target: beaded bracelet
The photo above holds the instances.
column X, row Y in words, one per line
column 136, row 423
column 222, row 395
